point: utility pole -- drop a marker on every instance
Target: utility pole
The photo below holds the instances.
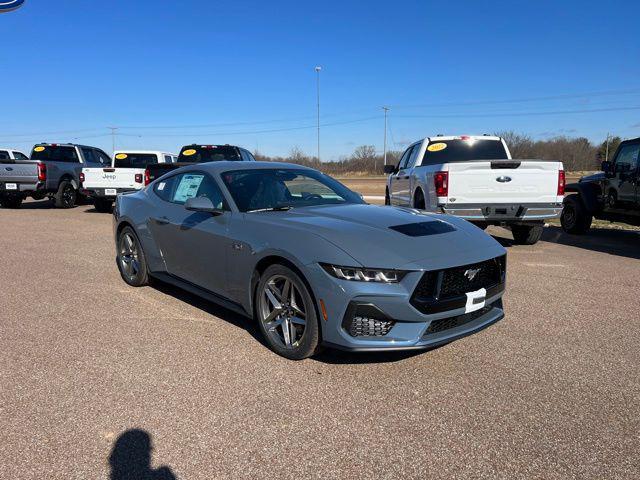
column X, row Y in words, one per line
column 386, row 109
column 113, row 138
column 317, row 69
column 606, row 155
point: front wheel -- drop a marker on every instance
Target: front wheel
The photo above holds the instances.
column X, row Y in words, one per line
column 66, row 195
column 286, row 313
column 131, row 260
column 527, row 234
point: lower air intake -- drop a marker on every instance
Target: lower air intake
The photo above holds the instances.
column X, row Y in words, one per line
column 366, row 320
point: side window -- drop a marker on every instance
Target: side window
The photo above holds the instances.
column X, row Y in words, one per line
column 405, row 158
column 246, row 156
column 627, row 159
column 88, row 155
column 102, row 158
column 175, row 159
column 413, row 157
column 165, row 189
column 191, row 185
column 20, row 156
column 168, row 159
column 4, row 155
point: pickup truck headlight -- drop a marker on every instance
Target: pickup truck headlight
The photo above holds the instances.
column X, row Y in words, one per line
column 359, row 274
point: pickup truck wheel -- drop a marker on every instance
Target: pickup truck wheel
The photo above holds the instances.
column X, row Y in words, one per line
column 527, row 234
column 10, row 202
column 131, row 260
column 286, row 313
column 66, row 195
column 418, row 200
column 574, row 218
column 102, row 205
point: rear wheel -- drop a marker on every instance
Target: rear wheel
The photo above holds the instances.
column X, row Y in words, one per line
column 66, row 195
column 418, row 200
column 102, row 205
column 10, row 202
column 574, row 218
column 131, row 260
column 286, row 313
column 527, row 234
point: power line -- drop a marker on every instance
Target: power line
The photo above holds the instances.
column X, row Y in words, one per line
column 519, row 114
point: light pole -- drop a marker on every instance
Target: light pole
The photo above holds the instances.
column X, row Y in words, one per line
column 317, row 69
column 386, row 109
column 113, row 138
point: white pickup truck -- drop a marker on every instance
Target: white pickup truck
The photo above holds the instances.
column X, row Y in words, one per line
column 125, row 174
column 475, row 178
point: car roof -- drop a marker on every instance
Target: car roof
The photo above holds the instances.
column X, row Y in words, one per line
column 459, row 137
column 132, row 151
column 226, row 165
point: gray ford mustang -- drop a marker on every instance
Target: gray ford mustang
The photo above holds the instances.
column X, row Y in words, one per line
column 309, row 260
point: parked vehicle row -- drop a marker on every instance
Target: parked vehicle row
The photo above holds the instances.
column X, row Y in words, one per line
column 475, row 178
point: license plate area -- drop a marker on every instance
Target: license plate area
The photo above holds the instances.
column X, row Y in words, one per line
column 11, row 186
column 111, row 192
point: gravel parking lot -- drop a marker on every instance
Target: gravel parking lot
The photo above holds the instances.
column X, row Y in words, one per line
column 552, row 391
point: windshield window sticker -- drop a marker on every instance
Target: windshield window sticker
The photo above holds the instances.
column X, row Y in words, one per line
column 161, row 186
column 189, row 152
column 121, row 156
column 38, row 149
column 188, row 187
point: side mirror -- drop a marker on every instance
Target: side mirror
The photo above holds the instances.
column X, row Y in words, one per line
column 202, row 204
column 389, row 169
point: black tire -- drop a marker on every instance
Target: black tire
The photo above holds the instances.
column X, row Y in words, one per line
column 66, row 195
column 527, row 234
column 574, row 218
column 482, row 225
column 102, row 205
column 308, row 342
column 418, row 200
column 10, row 202
column 612, row 199
column 130, row 258
column 387, row 198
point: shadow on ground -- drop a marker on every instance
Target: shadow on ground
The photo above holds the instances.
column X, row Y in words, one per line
column 130, row 458
column 328, row 355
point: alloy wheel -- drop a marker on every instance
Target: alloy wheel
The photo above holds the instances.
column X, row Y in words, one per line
column 129, row 256
column 68, row 196
column 283, row 312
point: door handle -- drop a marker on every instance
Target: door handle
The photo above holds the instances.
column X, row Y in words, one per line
column 161, row 221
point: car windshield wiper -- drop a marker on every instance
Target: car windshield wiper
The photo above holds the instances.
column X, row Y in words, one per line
column 282, row 208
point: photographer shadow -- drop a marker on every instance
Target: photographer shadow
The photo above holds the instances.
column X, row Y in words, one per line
column 130, row 458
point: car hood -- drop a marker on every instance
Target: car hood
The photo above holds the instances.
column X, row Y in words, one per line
column 364, row 232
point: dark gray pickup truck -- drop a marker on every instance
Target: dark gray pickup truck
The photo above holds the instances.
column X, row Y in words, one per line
column 53, row 171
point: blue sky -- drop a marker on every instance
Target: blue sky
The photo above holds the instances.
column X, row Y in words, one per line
column 243, row 72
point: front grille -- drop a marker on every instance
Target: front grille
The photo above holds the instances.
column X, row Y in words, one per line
column 455, row 281
column 438, row 326
column 438, row 289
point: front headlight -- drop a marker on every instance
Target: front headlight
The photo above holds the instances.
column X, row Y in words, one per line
column 358, row 274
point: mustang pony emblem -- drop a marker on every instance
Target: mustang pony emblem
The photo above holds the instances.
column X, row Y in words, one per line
column 471, row 273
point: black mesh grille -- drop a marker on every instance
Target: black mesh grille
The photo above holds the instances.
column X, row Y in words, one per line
column 453, row 322
column 469, row 278
column 369, row 327
column 441, row 290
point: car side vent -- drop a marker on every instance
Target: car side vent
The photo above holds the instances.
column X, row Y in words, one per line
column 422, row 229
column 496, row 164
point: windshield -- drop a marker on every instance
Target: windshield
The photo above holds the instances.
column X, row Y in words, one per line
column 447, row 151
column 209, row 153
column 134, row 160
column 285, row 188
column 55, row 153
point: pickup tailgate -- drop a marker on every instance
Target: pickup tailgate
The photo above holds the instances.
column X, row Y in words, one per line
column 503, row 181
column 113, row 178
column 20, row 172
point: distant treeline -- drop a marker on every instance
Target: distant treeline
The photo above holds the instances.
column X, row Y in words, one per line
column 577, row 154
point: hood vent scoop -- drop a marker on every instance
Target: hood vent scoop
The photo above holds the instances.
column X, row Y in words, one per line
column 423, row 229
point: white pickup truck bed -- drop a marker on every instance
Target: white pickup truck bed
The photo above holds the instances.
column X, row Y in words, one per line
column 475, row 178
column 126, row 174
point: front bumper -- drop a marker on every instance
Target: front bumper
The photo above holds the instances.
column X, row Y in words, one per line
column 504, row 212
column 410, row 328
